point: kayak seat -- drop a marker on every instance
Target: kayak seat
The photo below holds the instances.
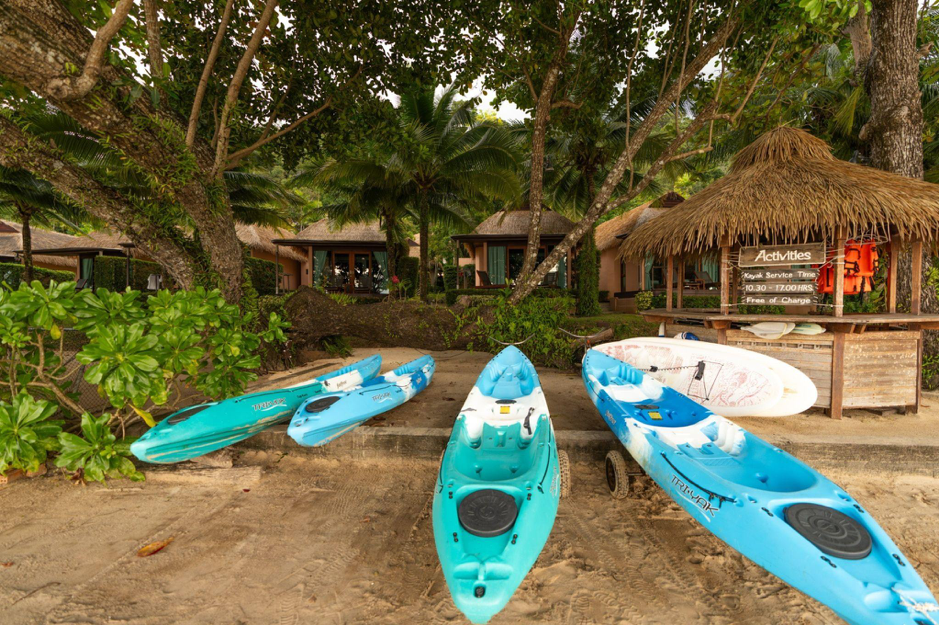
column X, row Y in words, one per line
column 500, row 453
column 508, row 383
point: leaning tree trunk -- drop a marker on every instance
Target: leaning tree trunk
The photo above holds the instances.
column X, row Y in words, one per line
column 391, row 249
column 425, row 243
column 895, row 130
column 26, row 215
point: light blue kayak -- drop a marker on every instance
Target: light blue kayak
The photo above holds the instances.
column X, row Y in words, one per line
column 197, row 430
column 498, row 487
column 763, row 502
column 324, row 418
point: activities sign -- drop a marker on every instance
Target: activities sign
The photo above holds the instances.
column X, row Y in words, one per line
column 778, row 287
column 779, row 274
column 782, row 255
column 779, row 300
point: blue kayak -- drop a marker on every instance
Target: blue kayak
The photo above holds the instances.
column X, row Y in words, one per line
column 763, row 502
column 197, row 430
column 498, row 487
column 324, row 418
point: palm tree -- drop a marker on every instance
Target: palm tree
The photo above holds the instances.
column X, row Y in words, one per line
column 30, row 200
column 446, row 163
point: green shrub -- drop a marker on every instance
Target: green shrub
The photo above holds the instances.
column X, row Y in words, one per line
column 604, row 296
column 263, row 274
column 96, row 454
column 537, row 319
column 644, row 300
column 587, row 265
column 136, row 351
column 468, row 272
column 408, row 267
column 12, row 274
column 537, row 293
column 27, row 434
column 111, row 273
column 451, row 276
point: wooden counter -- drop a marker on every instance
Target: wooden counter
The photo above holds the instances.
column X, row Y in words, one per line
column 861, row 361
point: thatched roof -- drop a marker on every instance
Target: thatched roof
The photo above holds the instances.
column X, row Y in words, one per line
column 786, row 185
column 11, row 242
column 261, row 238
column 505, row 223
column 607, row 232
column 326, row 230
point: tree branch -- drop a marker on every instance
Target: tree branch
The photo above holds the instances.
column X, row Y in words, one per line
column 206, row 72
column 235, row 158
column 234, row 88
column 75, row 87
column 567, row 104
column 154, row 49
column 546, row 27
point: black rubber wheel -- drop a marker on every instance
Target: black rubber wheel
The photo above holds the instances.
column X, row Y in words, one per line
column 617, row 479
column 834, row 533
column 564, row 468
column 487, row 513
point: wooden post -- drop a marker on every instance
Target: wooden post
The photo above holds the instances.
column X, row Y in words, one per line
column 276, row 269
column 642, row 274
column 669, row 276
column 893, row 249
column 838, row 267
column 837, row 374
column 916, row 282
column 725, row 275
column 681, row 283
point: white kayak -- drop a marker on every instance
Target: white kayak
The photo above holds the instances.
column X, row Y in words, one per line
column 730, row 381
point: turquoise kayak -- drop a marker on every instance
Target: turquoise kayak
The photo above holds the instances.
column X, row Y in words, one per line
column 772, row 508
column 498, row 487
column 197, row 430
column 324, row 418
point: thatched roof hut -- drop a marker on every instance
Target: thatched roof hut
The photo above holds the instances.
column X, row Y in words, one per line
column 611, row 232
column 11, row 243
column 515, row 223
column 261, row 239
column 787, row 186
column 327, row 230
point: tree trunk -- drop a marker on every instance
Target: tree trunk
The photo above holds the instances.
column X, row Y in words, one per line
column 26, row 215
column 425, row 246
column 392, row 250
column 895, row 129
column 536, row 178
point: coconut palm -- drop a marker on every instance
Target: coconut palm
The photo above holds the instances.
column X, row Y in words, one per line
column 445, row 163
column 32, row 201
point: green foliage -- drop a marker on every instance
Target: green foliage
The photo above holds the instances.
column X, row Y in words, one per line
column 644, row 300
column 137, row 350
column 12, row 274
column 537, row 319
column 111, row 273
column 468, row 275
column 604, row 296
column 408, row 267
column 97, row 454
column 263, row 274
column 451, row 275
column 336, row 346
column 27, row 434
column 587, row 265
column 624, row 326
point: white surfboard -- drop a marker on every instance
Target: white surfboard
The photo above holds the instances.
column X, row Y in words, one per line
column 733, row 382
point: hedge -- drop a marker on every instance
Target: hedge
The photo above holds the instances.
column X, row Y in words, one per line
column 451, row 275
column 263, row 275
column 111, row 273
column 469, row 275
column 12, row 274
column 541, row 293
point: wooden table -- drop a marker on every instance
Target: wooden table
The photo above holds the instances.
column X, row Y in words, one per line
column 861, row 361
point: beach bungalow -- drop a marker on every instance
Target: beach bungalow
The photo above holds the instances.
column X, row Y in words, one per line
column 622, row 277
column 11, row 245
column 352, row 259
column 497, row 247
column 260, row 243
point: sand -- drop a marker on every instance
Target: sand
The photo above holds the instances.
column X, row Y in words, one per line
column 290, row 538
column 318, row 541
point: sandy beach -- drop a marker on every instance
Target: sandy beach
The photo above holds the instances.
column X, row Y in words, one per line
column 288, row 538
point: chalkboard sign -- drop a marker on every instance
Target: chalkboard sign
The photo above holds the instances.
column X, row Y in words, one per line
column 779, row 274
column 779, row 300
column 779, row 287
column 782, row 255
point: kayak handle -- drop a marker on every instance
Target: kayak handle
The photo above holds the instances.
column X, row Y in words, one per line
column 525, row 340
column 711, row 494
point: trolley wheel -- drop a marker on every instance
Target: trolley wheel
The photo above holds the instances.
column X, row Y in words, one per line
column 617, row 477
column 564, row 467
